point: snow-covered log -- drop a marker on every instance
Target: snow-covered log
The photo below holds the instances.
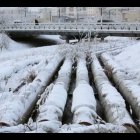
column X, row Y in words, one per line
column 128, row 88
column 15, row 109
column 41, row 64
column 55, row 103
column 111, row 100
column 28, row 75
column 83, row 102
column 9, row 69
column 23, row 76
column 96, row 128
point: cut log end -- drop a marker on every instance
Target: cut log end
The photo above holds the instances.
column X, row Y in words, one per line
column 85, row 123
column 130, row 128
column 84, row 115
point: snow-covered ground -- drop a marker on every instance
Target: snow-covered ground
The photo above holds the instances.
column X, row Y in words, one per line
column 13, row 45
column 16, row 46
column 26, row 72
column 129, row 59
column 113, row 43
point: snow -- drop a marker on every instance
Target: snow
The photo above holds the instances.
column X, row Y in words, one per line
column 13, row 67
column 20, row 71
column 49, row 112
column 45, row 51
column 96, row 128
column 112, row 44
column 83, row 102
column 21, row 51
column 37, row 127
column 13, row 45
column 57, row 97
column 19, row 60
column 16, row 113
column 111, row 100
column 129, row 58
column 128, row 87
column 85, row 95
column 115, row 38
column 54, row 105
column 14, row 129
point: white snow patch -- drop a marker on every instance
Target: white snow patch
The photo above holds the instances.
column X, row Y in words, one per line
column 112, row 38
column 130, row 57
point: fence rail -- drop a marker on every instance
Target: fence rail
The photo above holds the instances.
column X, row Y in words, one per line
column 72, row 26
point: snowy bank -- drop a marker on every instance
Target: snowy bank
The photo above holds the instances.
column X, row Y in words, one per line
column 11, row 44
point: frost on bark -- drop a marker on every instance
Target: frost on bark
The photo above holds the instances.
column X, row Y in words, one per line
column 83, row 102
column 128, row 88
column 53, row 107
column 16, row 107
column 111, row 100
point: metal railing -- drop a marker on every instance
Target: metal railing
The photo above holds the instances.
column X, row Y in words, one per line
column 72, row 26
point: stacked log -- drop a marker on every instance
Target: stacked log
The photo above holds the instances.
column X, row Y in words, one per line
column 16, row 107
